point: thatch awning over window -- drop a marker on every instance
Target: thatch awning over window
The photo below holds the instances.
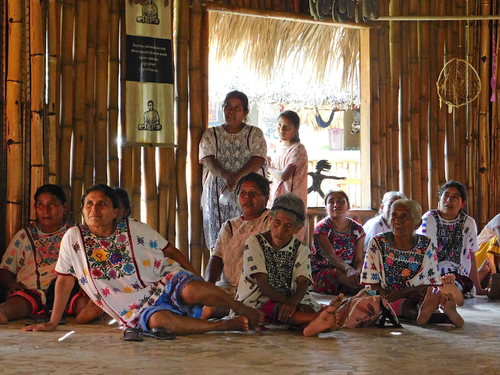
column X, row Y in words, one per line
column 284, row 62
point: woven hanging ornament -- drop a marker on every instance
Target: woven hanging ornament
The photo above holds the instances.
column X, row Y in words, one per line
column 458, row 83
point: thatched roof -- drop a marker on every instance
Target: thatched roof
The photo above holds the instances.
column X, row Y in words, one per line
column 285, row 62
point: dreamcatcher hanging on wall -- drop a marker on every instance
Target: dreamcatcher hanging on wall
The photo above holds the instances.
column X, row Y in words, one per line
column 458, row 83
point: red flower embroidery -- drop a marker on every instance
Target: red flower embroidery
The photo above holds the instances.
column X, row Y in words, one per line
column 97, row 272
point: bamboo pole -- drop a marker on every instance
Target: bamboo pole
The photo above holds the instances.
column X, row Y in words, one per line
column 163, row 191
column 37, row 90
column 432, row 130
column 165, row 187
column 450, row 159
column 181, row 57
column 384, row 82
column 425, row 84
column 198, row 50
column 415, row 115
column 51, row 134
column 67, row 23
column 484, row 131
column 404, row 124
column 472, row 123
column 172, row 196
column 204, row 87
column 441, row 121
column 375, row 176
column 460, row 121
column 126, row 164
column 90, row 76
column 136, row 183
column 395, row 55
column 13, row 119
column 80, row 66
column 495, row 133
column 150, row 190
column 114, row 67
column 58, row 80
column 101, row 96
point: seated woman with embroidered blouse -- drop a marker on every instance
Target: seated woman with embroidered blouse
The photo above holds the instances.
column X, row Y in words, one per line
column 403, row 266
column 277, row 273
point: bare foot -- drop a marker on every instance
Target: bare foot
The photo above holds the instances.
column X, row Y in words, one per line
column 255, row 317
column 337, row 301
column 450, row 287
column 326, row 320
column 450, row 309
column 449, row 278
column 88, row 313
column 3, row 317
column 239, row 323
column 429, row 306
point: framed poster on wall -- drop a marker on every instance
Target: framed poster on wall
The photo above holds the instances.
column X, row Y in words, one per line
column 149, row 106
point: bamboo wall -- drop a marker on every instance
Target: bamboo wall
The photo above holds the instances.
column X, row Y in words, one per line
column 70, row 137
column 433, row 144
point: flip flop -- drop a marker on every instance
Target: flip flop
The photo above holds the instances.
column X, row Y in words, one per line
column 159, row 333
column 132, row 334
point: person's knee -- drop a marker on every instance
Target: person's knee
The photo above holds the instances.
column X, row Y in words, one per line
column 191, row 292
column 162, row 319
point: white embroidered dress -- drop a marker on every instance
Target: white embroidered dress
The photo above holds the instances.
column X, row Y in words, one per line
column 123, row 273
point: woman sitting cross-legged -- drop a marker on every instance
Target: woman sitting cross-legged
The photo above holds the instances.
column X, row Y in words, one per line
column 337, row 250
column 277, row 273
column 403, row 266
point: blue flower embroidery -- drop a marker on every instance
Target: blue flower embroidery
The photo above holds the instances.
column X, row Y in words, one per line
column 123, row 312
column 375, row 276
column 413, row 266
column 128, row 268
column 115, row 258
column 17, row 243
column 83, row 280
column 153, row 244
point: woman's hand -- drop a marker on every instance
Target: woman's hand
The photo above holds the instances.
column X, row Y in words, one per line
column 287, row 309
column 231, row 180
column 44, row 327
column 352, row 277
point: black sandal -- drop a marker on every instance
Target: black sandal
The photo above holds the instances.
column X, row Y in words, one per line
column 132, row 334
column 159, row 333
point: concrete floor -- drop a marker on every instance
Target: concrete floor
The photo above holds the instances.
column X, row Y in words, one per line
column 97, row 348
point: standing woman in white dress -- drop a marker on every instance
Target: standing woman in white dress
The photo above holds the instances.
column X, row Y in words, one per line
column 228, row 152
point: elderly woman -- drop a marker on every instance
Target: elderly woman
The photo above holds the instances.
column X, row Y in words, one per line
column 228, row 152
column 28, row 266
column 403, row 266
column 136, row 276
column 226, row 262
column 277, row 272
column 380, row 223
column 454, row 234
column 337, row 250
